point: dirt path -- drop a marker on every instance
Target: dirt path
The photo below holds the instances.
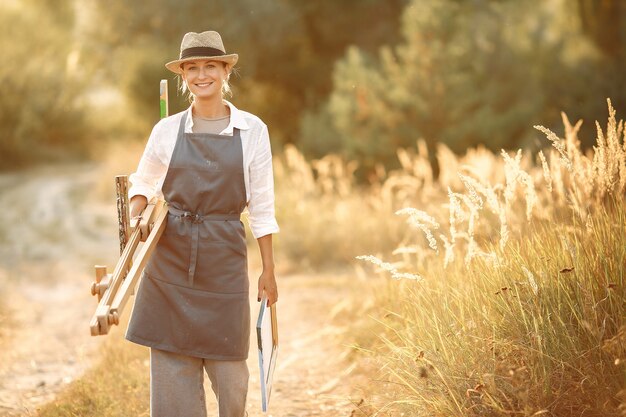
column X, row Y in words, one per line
column 50, row 238
column 48, row 242
column 312, row 377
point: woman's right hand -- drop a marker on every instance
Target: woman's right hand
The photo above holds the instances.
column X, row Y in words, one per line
column 137, row 204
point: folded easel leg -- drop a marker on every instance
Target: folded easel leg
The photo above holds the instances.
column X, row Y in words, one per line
column 114, row 290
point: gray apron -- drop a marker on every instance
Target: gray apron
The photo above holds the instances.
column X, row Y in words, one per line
column 193, row 296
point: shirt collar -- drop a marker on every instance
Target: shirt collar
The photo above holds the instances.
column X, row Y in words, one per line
column 237, row 120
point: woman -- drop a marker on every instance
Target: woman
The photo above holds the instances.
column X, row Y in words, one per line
column 208, row 162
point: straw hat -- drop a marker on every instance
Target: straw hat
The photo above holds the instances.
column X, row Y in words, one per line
column 205, row 45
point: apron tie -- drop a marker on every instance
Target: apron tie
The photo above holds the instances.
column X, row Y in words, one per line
column 195, row 220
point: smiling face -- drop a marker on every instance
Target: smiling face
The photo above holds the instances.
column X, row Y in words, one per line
column 204, row 77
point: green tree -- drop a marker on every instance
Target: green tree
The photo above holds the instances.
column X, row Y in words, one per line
column 467, row 72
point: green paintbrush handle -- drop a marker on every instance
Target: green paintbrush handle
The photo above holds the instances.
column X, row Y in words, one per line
column 163, row 99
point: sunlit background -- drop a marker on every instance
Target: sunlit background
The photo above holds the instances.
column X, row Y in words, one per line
column 462, row 114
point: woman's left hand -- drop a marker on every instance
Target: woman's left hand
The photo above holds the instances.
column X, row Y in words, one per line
column 267, row 283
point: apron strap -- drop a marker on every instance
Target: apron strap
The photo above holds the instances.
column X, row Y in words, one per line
column 183, row 121
column 194, row 252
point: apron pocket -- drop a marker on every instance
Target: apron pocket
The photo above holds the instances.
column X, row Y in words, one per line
column 223, row 326
column 221, row 267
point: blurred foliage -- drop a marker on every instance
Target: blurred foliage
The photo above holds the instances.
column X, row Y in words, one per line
column 286, row 49
column 41, row 84
column 356, row 77
column 467, row 73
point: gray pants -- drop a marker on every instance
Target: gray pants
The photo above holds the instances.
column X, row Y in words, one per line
column 177, row 389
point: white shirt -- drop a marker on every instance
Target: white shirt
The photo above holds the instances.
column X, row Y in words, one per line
column 257, row 164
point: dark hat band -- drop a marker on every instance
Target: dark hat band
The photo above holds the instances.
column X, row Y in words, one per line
column 200, row 51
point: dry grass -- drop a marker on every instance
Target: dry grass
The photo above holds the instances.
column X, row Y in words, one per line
column 117, row 386
column 325, row 217
column 523, row 312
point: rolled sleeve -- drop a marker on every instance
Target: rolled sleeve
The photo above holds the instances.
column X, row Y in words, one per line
column 261, row 216
column 149, row 171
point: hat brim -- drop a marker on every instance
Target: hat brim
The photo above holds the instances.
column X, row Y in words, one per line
column 175, row 66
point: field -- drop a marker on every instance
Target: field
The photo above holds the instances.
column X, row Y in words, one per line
column 496, row 289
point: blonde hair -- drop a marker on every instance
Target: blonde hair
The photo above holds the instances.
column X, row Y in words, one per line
column 226, row 90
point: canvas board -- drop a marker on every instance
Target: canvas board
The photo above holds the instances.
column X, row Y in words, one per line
column 267, row 341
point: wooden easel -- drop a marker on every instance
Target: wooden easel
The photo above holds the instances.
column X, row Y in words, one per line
column 114, row 290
